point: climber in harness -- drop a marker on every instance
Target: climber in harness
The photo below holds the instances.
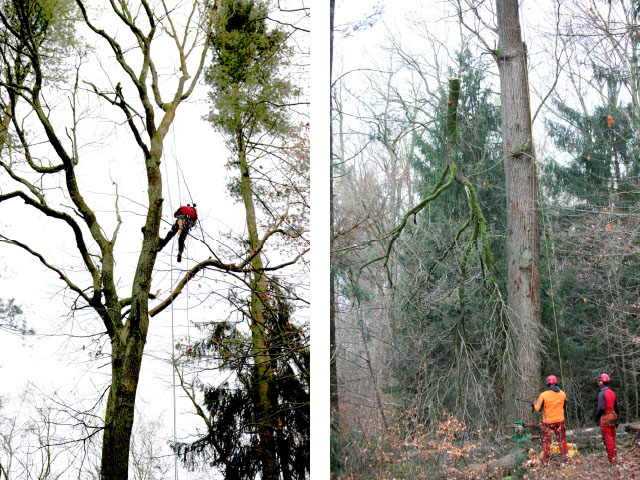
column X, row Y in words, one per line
column 186, row 218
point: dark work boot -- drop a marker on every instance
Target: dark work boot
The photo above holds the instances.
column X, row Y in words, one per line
column 179, row 257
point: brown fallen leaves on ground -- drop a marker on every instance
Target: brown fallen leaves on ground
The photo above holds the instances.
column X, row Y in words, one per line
column 592, row 466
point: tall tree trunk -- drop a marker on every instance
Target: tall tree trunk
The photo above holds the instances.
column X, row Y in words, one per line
column 126, row 361
column 522, row 378
column 333, row 367
column 262, row 361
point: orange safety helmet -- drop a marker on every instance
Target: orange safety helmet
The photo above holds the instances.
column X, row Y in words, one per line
column 552, row 380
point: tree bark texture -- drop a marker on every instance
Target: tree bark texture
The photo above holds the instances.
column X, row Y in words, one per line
column 119, row 415
column 522, row 375
column 261, row 358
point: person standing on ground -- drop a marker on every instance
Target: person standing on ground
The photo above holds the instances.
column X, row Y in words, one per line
column 607, row 415
column 553, row 402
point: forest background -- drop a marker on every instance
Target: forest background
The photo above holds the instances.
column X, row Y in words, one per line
column 420, row 327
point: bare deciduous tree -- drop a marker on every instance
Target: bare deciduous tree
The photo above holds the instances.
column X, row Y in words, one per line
column 146, row 105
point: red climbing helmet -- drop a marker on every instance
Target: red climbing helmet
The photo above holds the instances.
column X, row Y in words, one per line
column 552, row 380
column 604, row 377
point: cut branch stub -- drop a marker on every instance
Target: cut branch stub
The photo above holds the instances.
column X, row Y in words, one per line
column 452, row 114
column 450, row 168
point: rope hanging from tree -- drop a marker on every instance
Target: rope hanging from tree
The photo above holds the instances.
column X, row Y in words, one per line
column 174, row 364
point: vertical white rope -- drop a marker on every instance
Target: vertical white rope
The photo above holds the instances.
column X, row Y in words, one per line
column 186, row 247
column 173, row 354
column 166, row 172
column 173, row 371
column 175, row 157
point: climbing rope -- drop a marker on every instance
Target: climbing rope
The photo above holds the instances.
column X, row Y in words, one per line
column 188, row 295
column 175, row 157
column 173, row 342
column 173, row 370
column 544, row 233
column 553, row 303
column 174, row 364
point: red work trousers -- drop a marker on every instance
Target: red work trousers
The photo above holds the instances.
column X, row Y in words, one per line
column 558, row 430
column 609, row 437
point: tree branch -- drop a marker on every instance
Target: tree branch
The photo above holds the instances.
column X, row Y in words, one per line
column 117, row 50
column 50, row 212
column 60, row 273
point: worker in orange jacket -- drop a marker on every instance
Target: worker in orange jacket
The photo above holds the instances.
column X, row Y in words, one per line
column 553, row 402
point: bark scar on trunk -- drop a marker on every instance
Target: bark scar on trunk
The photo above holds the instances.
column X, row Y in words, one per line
column 523, row 149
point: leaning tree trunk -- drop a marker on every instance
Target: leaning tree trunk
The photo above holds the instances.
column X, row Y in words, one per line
column 522, row 374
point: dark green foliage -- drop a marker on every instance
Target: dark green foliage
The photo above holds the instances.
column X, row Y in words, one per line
column 42, row 26
column 248, row 91
column 595, row 147
column 592, row 191
column 11, row 319
column 479, row 152
column 223, row 447
column 231, row 442
column 604, row 159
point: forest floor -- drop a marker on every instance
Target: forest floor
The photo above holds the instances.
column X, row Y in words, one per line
column 593, row 465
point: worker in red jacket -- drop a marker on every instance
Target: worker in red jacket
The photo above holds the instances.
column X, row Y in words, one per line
column 553, row 402
column 607, row 415
column 186, row 218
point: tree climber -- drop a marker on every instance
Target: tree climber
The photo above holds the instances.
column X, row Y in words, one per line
column 553, row 402
column 607, row 415
column 186, row 219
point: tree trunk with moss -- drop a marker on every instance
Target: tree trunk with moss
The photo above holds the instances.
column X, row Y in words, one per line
column 128, row 338
column 522, row 377
column 249, row 100
column 262, row 362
